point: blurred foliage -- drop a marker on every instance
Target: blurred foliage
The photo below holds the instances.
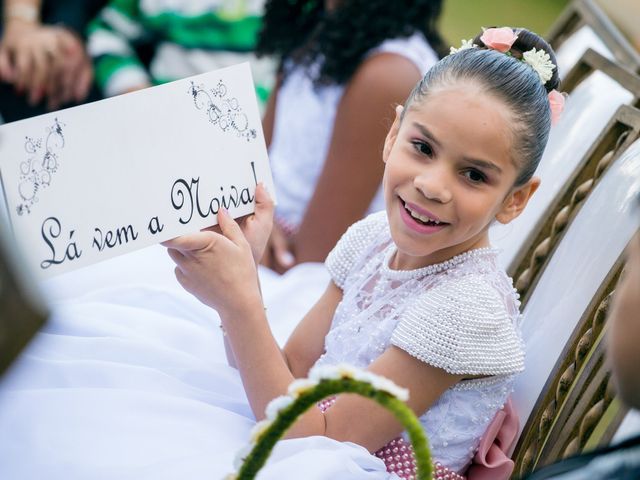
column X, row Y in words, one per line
column 464, row 18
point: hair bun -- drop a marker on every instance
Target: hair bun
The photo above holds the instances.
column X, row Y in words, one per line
column 526, row 41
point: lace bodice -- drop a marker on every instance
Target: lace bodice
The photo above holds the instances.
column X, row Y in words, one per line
column 460, row 315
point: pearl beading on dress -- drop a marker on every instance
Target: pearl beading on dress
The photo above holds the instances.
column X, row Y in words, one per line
column 463, row 328
column 398, row 455
column 388, row 272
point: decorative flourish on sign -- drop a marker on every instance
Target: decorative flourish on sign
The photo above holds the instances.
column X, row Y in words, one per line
column 42, row 162
column 222, row 110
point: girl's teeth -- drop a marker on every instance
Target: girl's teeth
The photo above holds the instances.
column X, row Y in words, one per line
column 422, row 218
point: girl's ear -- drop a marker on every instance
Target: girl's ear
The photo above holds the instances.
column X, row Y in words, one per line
column 515, row 202
column 392, row 135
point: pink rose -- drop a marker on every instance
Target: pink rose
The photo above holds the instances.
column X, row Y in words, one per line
column 499, row 39
column 556, row 102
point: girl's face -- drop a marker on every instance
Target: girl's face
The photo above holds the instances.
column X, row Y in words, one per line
column 449, row 173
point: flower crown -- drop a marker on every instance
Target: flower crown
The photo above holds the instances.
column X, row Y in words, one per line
column 501, row 39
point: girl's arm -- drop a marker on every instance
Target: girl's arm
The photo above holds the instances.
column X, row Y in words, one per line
column 219, row 270
column 265, row 375
column 306, row 343
column 353, row 167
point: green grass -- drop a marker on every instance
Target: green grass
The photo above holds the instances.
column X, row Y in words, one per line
column 464, row 18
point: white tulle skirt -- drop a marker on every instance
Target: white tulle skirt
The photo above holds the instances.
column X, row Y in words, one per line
column 128, row 380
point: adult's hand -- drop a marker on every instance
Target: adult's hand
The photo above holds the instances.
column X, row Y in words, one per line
column 26, row 51
column 279, row 255
column 71, row 70
column 43, row 60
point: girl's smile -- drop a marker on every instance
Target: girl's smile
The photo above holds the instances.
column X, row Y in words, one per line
column 449, row 173
column 419, row 219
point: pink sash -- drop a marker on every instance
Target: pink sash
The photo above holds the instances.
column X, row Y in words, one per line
column 492, row 460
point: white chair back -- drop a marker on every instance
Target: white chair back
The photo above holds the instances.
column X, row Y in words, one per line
column 592, row 244
column 570, row 51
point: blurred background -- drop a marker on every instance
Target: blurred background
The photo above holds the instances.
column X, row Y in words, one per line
column 461, row 18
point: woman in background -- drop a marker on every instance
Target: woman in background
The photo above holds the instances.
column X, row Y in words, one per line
column 343, row 66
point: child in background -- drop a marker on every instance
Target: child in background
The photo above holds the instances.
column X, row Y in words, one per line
column 417, row 294
column 344, row 65
column 187, row 37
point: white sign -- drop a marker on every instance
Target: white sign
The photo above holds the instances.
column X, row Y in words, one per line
column 92, row 182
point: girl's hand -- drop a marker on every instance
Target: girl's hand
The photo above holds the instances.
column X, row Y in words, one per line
column 257, row 226
column 218, row 269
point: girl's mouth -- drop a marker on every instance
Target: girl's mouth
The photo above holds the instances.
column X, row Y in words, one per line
column 417, row 220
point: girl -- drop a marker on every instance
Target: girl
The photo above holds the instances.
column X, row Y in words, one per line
column 416, row 294
column 343, row 66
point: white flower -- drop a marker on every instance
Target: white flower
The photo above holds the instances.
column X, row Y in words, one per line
column 301, row 385
column 231, row 476
column 276, row 405
column 541, row 62
column 465, row 44
column 242, row 454
column 258, row 429
column 344, row 370
column 333, row 372
column 391, row 388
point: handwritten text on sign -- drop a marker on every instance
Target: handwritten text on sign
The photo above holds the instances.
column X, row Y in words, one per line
column 92, row 182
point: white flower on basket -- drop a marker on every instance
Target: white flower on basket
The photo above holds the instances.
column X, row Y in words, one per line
column 541, row 62
column 386, row 385
column 343, row 370
column 241, row 455
column 277, row 404
column 301, row 385
column 465, row 45
column 333, row 372
column 258, row 429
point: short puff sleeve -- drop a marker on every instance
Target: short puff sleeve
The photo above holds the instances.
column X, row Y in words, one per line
column 355, row 242
column 463, row 326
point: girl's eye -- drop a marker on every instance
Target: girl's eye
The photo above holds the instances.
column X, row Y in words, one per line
column 475, row 176
column 423, row 148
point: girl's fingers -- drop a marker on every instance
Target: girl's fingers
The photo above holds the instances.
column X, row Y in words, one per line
column 230, row 227
column 191, row 242
column 175, row 255
column 182, row 279
column 264, row 203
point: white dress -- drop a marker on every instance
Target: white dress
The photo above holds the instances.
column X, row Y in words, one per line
column 130, row 382
column 303, row 128
column 460, row 315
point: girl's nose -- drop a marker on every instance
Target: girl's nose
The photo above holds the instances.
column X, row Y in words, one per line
column 434, row 185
